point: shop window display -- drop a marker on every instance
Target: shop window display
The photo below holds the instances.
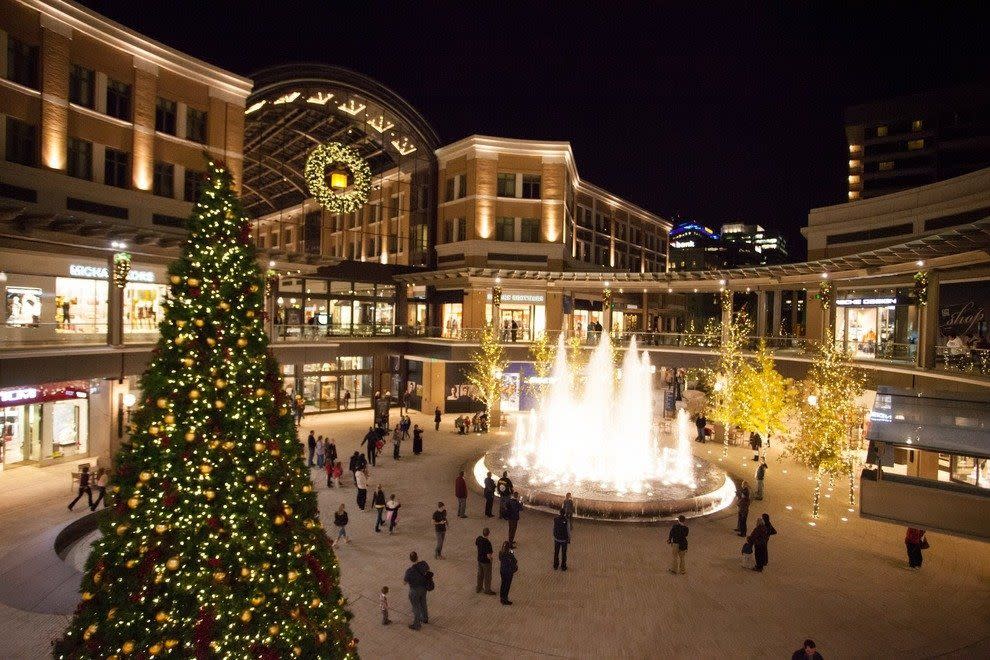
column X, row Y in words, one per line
column 22, row 306
column 453, row 316
column 143, row 307
column 80, row 305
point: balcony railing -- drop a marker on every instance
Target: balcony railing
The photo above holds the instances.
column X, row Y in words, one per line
column 974, row 361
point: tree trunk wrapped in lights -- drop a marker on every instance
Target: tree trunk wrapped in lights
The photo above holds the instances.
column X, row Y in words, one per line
column 213, row 547
column 822, row 440
column 724, row 403
column 486, row 371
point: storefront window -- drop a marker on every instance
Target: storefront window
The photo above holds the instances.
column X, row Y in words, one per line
column 22, row 306
column 44, row 422
column 69, row 428
column 452, row 318
column 970, row 470
column 143, row 306
column 80, row 305
column 20, row 427
column 876, row 326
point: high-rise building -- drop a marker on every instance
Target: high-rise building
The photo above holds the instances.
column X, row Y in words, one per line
column 694, row 247
column 752, row 245
column 913, row 140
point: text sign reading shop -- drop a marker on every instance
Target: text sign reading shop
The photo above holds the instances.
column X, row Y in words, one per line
column 103, row 273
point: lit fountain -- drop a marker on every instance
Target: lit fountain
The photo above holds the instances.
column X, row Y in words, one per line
column 595, row 436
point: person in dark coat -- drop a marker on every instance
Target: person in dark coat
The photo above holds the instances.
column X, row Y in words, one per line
column 84, row 487
column 460, row 492
column 759, row 538
column 508, row 565
column 915, row 542
column 677, row 538
column 761, row 475
column 331, row 451
column 436, row 418
column 489, row 495
column 418, row 576
column 417, row 440
column 807, row 652
column 311, row 443
column 512, row 510
column 378, row 503
column 743, row 502
column 755, row 442
column 701, row 422
column 371, row 440
column 484, row 563
column 561, row 539
column 504, row 490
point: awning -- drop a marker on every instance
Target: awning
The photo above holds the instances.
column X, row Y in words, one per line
column 946, row 422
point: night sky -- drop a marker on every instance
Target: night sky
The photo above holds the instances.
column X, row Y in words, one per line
column 713, row 115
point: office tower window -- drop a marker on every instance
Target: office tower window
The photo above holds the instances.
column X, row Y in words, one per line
column 886, row 165
column 192, row 186
column 165, row 112
column 118, row 99
column 505, row 229
column 80, row 161
column 196, row 125
column 915, row 145
column 82, row 86
column 448, row 231
column 116, row 167
column 22, row 63
column 164, row 184
column 531, row 186
column 22, row 142
column 530, row 230
column 917, row 125
column 881, row 131
column 506, row 185
column 455, row 188
column 461, row 229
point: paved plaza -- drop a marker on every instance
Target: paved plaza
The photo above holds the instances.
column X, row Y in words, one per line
column 842, row 582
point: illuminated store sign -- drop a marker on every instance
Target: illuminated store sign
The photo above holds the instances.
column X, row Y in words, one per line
column 103, row 273
column 11, row 396
column 866, row 302
column 520, row 297
column 682, row 244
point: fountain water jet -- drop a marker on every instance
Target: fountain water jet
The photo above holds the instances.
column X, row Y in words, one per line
column 595, row 436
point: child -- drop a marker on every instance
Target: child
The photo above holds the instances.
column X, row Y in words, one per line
column 340, row 522
column 383, row 601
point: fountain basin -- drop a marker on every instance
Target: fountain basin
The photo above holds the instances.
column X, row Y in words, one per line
column 656, row 500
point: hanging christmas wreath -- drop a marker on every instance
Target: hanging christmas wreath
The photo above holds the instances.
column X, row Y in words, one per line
column 344, row 163
column 826, row 294
column 121, row 269
column 921, row 287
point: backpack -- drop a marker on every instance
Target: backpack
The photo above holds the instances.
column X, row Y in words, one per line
column 430, row 584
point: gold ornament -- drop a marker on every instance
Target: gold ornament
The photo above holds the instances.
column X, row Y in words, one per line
column 258, row 599
column 144, row 476
column 249, row 313
column 97, row 577
column 249, row 478
column 218, row 404
column 131, row 563
column 307, row 488
column 265, row 565
column 111, row 614
column 214, row 444
column 171, row 643
column 259, row 446
column 180, row 323
column 260, row 391
column 275, row 451
column 133, row 503
column 316, row 602
column 188, row 361
column 170, row 419
column 153, row 430
column 220, row 383
column 194, row 394
column 246, row 616
column 190, row 436
column 245, row 571
column 86, row 595
column 228, row 445
column 172, row 564
column 253, row 288
column 127, row 647
column 219, row 576
column 155, row 649
column 273, row 630
column 180, row 340
column 162, row 403
column 294, row 613
column 263, row 487
column 198, row 323
column 292, row 575
column 296, row 651
column 161, row 616
column 224, row 305
column 321, row 637
column 279, row 520
column 210, row 494
column 160, row 528
column 192, row 281
column 175, row 279
column 287, row 509
column 242, row 342
column 205, row 468
column 211, row 341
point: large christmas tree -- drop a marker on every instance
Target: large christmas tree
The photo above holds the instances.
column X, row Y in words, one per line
column 213, row 547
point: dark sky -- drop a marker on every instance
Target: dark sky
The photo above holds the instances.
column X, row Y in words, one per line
column 714, row 114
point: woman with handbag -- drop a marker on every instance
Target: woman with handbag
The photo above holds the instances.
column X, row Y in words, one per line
column 759, row 538
column 916, row 542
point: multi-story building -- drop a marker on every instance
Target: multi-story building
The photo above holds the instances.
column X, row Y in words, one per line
column 752, row 245
column 913, row 140
column 694, row 247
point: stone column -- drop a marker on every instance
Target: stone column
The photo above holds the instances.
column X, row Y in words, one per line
column 56, row 39
column 115, row 308
column 795, row 294
column 761, row 313
column 775, row 317
column 144, row 97
column 928, row 325
column 607, row 311
column 726, row 316
column 401, row 320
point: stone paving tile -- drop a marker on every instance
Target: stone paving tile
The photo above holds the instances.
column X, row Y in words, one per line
column 841, row 582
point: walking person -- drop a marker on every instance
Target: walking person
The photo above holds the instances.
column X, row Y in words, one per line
column 371, row 440
column 755, row 443
column 677, row 538
column 507, row 565
column 311, row 443
column 915, row 542
column 419, row 577
column 512, row 510
column 417, row 440
column 378, row 503
column 489, row 494
column 321, row 452
column 353, row 464
column 440, row 527
column 383, row 604
column 460, row 492
column 761, row 474
column 759, row 538
column 331, row 451
column 743, row 502
column 561, row 539
column 485, row 552
column 396, row 441
column 84, row 487
column 102, row 480
column 567, row 508
column 340, row 522
column 361, row 481
column 701, row 422
column 504, row 490
column 436, row 418
column 392, row 512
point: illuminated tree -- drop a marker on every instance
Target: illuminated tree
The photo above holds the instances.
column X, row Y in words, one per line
column 543, row 351
column 826, row 415
column 487, row 366
column 765, row 397
column 213, row 546
column 723, row 379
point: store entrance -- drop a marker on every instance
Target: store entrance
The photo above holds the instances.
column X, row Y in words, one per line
column 521, row 330
column 20, row 429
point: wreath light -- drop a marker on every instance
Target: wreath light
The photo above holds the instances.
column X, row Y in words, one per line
column 326, row 156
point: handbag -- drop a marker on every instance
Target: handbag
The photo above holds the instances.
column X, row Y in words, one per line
column 747, row 548
column 924, row 543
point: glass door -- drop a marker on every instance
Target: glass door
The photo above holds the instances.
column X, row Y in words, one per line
column 515, row 324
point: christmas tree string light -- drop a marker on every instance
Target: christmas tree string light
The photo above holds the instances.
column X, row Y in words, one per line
column 213, row 546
